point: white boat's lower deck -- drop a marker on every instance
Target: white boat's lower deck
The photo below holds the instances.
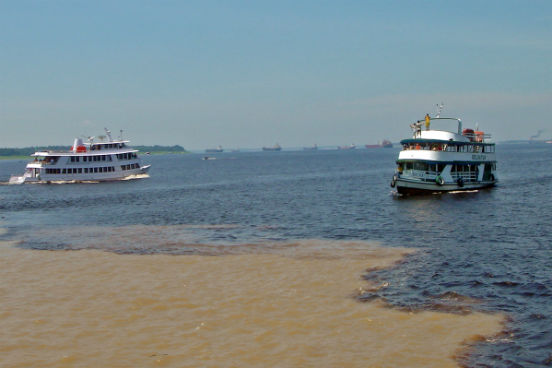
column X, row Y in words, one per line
column 33, row 175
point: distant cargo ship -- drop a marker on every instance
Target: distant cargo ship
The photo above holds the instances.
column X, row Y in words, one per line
column 385, row 144
column 214, row 150
column 313, row 148
column 276, row 147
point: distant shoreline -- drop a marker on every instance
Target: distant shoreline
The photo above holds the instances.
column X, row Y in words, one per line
column 26, row 152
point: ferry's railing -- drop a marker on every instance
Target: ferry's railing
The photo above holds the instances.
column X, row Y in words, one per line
column 466, row 176
column 431, row 176
column 477, row 136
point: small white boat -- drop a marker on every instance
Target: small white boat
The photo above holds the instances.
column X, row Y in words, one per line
column 349, row 147
column 436, row 160
column 85, row 162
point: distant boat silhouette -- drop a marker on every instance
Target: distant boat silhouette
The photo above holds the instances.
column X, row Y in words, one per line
column 313, row 148
column 214, row 150
column 276, row 147
column 385, row 143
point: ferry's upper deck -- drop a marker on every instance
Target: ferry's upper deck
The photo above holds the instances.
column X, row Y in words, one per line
column 428, row 134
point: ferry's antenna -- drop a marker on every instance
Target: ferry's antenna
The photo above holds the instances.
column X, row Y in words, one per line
column 121, row 134
column 108, row 133
column 439, row 109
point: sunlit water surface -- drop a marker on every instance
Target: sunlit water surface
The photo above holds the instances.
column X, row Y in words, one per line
column 278, row 259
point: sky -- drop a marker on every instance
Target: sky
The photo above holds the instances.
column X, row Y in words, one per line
column 246, row 74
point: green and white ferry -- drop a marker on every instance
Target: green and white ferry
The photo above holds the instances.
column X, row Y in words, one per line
column 440, row 160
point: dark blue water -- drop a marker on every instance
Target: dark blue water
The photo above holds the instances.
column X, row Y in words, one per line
column 488, row 250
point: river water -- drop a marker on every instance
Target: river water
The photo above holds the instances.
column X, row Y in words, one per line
column 278, row 259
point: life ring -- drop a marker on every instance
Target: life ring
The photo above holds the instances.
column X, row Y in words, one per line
column 460, row 182
column 439, row 180
column 394, row 181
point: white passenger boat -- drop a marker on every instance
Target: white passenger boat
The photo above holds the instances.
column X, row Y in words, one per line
column 92, row 161
column 439, row 160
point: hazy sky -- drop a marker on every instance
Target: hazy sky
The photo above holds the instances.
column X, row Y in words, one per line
column 253, row 73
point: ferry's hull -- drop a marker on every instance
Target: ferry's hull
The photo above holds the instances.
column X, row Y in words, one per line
column 416, row 187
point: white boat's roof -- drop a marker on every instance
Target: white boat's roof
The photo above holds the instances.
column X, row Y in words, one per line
column 87, row 153
column 105, row 142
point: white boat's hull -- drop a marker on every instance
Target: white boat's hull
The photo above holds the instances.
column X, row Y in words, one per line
column 406, row 186
column 80, row 178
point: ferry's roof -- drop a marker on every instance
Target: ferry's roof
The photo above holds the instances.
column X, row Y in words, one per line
column 450, row 142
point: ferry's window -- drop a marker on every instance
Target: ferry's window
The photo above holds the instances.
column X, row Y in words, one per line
column 64, row 171
column 103, row 158
column 80, row 170
column 86, row 170
column 77, row 159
